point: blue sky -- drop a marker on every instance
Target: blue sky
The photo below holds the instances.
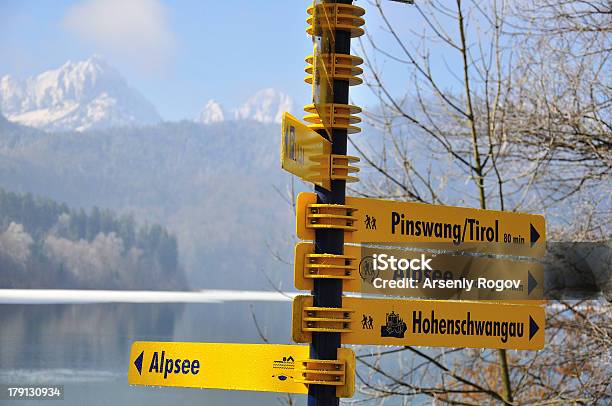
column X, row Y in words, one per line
column 180, row 54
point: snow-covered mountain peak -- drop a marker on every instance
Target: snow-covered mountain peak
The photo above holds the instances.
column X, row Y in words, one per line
column 266, row 106
column 211, row 113
column 76, row 96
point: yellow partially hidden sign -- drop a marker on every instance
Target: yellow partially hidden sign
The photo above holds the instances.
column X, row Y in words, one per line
column 256, row 367
column 304, row 152
column 389, row 221
column 429, row 323
column 420, row 273
column 324, row 43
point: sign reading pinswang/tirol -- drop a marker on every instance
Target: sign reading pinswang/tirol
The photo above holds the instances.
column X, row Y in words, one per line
column 388, row 221
column 304, row 152
column 429, row 323
column 420, row 273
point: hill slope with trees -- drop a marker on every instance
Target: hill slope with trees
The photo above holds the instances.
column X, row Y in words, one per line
column 44, row 244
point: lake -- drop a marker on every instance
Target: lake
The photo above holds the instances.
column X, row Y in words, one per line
column 85, row 346
column 82, row 339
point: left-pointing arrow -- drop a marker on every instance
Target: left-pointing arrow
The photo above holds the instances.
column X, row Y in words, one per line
column 138, row 363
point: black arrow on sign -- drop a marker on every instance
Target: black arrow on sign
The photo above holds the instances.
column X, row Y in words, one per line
column 533, row 328
column 138, row 363
column 531, row 283
column 533, row 234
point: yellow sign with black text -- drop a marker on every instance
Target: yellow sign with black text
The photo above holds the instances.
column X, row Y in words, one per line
column 304, row 152
column 388, row 221
column 428, row 323
column 255, row 367
column 420, row 273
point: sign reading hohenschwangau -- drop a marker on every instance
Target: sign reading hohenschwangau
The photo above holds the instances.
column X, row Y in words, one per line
column 428, row 323
column 389, row 221
column 422, row 274
column 304, row 152
column 255, row 367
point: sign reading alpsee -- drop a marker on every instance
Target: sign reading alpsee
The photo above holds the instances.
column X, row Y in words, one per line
column 256, row 367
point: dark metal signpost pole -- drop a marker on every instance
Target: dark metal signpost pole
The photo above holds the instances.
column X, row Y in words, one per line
column 328, row 292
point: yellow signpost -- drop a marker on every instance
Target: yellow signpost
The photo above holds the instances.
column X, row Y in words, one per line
column 304, row 152
column 430, row 323
column 254, row 367
column 420, row 273
column 387, row 221
column 408, row 231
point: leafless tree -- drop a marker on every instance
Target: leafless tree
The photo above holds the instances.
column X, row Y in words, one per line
column 520, row 120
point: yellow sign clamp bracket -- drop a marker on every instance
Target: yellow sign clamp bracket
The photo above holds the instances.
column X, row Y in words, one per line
column 344, row 17
column 327, row 266
column 338, row 66
column 339, row 373
column 341, row 168
column 325, row 319
column 337, row 115
column 309, row 266
column 331, row 216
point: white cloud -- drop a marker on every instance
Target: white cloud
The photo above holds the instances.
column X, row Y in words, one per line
column 136, row 30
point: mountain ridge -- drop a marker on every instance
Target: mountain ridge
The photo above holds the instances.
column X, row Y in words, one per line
column 76, row 96
column 91, row 94
column 265, row 106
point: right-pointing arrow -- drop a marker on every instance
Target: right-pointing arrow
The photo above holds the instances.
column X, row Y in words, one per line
column 533, row 328
column 534, row 236
column 531, row 283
